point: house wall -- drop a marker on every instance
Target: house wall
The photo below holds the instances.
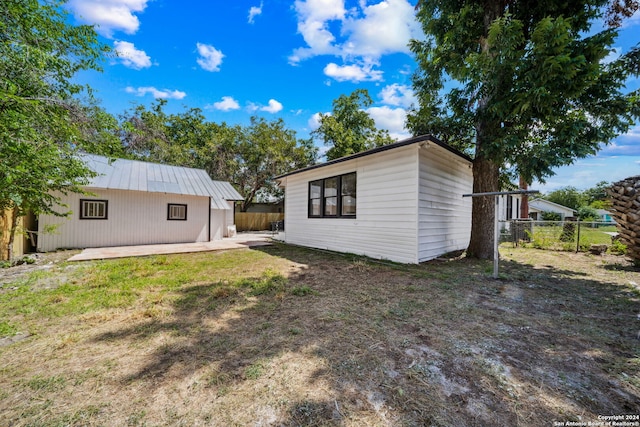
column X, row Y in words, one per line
column 444, row 215
column 229, row 217
column 134, row 218
column 385, row 226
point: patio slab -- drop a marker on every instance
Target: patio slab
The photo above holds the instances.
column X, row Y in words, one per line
column 241, row 241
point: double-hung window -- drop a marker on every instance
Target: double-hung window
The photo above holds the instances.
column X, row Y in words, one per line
column 333, row 197
column 176, row 212
column 93, row 209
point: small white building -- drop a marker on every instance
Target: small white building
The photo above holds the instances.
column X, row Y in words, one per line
column 537, row 206
column 139, row 203
column 402, row 202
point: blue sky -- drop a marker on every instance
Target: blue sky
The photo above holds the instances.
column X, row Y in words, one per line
column 286, row 59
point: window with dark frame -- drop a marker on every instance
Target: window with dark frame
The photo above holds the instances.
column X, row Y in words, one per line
column 94, row 209
column 333, row 197
column 176, row 212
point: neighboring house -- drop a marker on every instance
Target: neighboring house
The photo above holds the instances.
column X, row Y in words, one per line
column 537, row 206
column 605, row 216
column 402, row 202
column 138, row 203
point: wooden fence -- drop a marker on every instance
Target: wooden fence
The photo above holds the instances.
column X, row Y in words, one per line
column 21, row 242
column 256, row 221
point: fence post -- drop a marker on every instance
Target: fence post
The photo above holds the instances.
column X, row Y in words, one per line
column 578, row 239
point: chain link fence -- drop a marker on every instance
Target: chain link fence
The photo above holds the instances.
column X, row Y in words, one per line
column 595, row 236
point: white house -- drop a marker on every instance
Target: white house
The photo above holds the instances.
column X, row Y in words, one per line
column 402, row 202
column 138, row 203
column 537, row 206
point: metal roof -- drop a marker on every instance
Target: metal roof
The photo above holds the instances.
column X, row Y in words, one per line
column 121, row 174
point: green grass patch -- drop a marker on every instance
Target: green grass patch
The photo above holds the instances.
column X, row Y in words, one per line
column 134, row 282
column 7, row 329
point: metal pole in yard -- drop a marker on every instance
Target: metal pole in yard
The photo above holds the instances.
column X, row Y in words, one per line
column 578, row 239
column 496, row 230
column 496, row 238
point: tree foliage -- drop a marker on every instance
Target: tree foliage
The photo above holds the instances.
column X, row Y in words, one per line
column 247, row 156
column 42, row 122
column 520, row 84
column 594, row 197
column 568, row 196
column 349, row 129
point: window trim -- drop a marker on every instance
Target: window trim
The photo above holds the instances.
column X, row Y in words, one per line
column 339, row 197
column 170, row 205
column 83, row 213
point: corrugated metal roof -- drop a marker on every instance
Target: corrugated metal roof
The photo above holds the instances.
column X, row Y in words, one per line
column 121, row 174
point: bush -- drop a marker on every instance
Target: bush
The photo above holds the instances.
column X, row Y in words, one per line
column 550, row 216
column 587, row 213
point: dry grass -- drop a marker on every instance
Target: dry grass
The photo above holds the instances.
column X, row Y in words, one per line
column 288, row 336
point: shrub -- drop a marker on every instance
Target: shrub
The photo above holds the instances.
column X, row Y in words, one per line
column 550, row 216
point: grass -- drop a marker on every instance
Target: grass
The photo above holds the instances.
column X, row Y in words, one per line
column 551, row 237
column 289, row 336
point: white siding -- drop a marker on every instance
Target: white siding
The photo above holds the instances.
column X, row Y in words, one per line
column 385, row 226
column 445, row 216
column 134, row 218
column 218, row 224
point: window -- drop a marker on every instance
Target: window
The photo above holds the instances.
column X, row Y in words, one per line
column 93, row 209
column 177, row 212
column 333, row 197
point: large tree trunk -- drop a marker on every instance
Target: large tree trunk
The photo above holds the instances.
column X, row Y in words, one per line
column 485, row 179
column 486, row 173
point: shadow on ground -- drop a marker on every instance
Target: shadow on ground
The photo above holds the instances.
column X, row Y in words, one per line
column 349, row 341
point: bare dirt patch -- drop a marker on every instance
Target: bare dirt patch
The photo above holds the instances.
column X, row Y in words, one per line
column 322, row 339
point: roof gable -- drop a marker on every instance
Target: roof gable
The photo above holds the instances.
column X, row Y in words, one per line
column 134, row 175
column 537, row 203
column 403, row 143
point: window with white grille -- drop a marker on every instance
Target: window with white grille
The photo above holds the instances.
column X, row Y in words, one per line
column 177, row 212
column 93, row 209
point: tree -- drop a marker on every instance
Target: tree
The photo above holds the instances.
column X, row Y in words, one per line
column 248, row 157
column 348, row 129
column 597, row 194
column 519, row 83
column 42, row 122
column 266, row 150
column 566, row 196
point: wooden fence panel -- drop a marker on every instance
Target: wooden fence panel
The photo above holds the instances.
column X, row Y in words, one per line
column 256, row 221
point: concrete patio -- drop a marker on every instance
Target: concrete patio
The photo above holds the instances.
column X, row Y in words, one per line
column 241, row 241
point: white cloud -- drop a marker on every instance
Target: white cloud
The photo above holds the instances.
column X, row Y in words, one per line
column 314, row 122
column 627, row 144
column 227, row 104
column 255, row 11
column 109, row 15
column 398, row 95
column 130, row 56
column 352, row 73
column 632, row 21
column 612, row 56
column 313, row 25
column 210, row 57
column 366, row 32
column 273, row 107
column 157, row 93
column 391, row 119
column 386, row 28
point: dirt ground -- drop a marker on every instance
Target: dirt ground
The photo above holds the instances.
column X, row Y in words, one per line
column 347, row 342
